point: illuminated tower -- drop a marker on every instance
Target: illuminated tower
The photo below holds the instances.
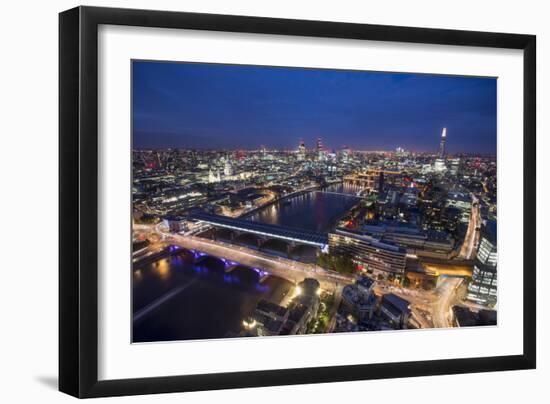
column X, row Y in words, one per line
column 158, row 161
column 319, row 149
column 439, row 165
column 442, row 151
column 301, row 150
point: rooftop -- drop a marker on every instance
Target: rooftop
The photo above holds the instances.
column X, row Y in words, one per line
column 310, row 286
column 297, row 313
column 269, row 307
column 375, row 242
column 397, row 302
column 365, row 282
column 388, row 228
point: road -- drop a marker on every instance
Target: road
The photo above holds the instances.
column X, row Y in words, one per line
column 430, row 308
column 282, row 267
column 422, row 301
column 446, row 298
column 471, row 239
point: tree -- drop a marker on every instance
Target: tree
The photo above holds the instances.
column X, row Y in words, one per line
column 324, row 261
column 405, row 281
column 341, row 262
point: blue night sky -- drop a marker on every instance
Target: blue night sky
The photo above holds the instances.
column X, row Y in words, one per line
column 243, row 107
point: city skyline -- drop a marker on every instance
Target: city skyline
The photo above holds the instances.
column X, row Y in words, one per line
column 261, row 208
column 211, row 106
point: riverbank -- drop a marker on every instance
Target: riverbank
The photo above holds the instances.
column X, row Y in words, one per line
column 316, row 209
column 280, row 199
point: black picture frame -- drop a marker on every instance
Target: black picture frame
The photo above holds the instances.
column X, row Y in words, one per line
column 78, row 201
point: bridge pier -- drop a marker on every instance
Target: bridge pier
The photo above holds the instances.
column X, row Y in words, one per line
column 230, row 269
column 260, row 241
column 290, row 248
column 214, row 233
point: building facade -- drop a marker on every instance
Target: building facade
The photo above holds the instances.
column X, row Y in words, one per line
column 359, row 299
column 483, row 286
column 423, row 243
column 368, row 251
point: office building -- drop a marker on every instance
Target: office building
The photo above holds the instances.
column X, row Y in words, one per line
column 416, row 241
column 440, row 165
column 442, row 149
column 301, row 156
column 483, row 286
column 368, row 252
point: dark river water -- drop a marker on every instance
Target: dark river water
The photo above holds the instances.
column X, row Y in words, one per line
column 175, row 299
column 316, row 211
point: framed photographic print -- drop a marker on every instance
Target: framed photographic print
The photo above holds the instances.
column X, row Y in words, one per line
column 251, row 201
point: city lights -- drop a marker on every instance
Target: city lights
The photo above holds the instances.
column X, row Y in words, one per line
column 316, row 228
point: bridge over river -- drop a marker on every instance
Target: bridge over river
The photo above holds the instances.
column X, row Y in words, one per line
column 292, row 235
column 284, row 268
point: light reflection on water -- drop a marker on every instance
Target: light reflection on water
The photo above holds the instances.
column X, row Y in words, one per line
column 317, row 211
column 210, row 307
column 217, row 302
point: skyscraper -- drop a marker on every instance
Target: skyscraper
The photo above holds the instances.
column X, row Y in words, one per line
column 345, row 154
column 439, row 164
column 319, row 149
column 301, row 150
column 483, row 286
column 442, row 151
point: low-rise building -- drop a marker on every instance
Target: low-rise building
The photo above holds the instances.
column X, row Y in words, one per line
column 461, row 201
column 358, row 299
column 309, row 293
column 176, row 224
column 267, row 319
column 396, row 310
column 271, row 319
column 419, row 242
column 464, row 317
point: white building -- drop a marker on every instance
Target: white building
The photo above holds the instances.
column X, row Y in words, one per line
column 228, row 169
column 213, row 176
column 440, row 166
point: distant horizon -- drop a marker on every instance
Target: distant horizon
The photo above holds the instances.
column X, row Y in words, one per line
column 292, row 150
column 201, row 106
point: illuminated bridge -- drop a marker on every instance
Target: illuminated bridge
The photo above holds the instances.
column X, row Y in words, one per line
column 291, row 235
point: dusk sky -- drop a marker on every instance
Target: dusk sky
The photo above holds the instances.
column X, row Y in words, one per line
column 211, row 106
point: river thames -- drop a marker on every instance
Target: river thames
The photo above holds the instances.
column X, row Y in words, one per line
column 176, row 299
column 316, row 210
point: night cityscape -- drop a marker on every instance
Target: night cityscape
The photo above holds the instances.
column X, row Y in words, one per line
column 284, row 201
